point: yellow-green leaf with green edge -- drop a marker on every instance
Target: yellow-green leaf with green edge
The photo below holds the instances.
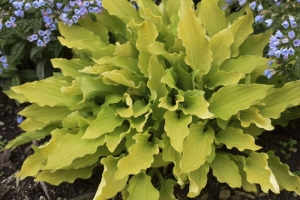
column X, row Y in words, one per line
column 166, row 191
column 285, row 178
column 34, row 163
column 220, row 52
column 156, row 71
column 45, row 114
column 198, row 180
column 241, row 28
column 140, row 156
column 192, row 34
column 73, row 147
column 199, row 140
column 46, row 93
column 195, row 104
column 109, row 187
column 244, row 64
column 13, row 95
column 226, row 171
column 223, row 78
column 70, row 67
column 74, row 89
column 30, row 136
column 96, row 27
column 258, row 172
column 212, row 17
column 149, row 5
column 147, row 34
column 106, row 122
column 113, row 139
column 176, row 127
column 128, row 63
column 231, row 99
column 279, row 99
column 240, row 162
column 158, row 161
column 234, row 137
column 122, row 9
column 64, row 175
column 255, row 44
column 252, row 116
column 140, row 187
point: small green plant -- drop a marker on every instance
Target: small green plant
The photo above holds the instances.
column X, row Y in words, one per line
column 287, row 148
column 159, row 96
column 2, row 143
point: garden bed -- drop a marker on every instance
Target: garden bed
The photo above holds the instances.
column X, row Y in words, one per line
column 11, row 161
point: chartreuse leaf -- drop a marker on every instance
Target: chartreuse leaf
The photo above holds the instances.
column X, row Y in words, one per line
column 113, row 139
column 199, row 140
column 223, row 78
column 48, row 92
column 258, row 171
column 13, row 95
column 70, row 67
column 244, row 64
column 122, row 9
column 106, row 122
column 198, row 180
column 240, row 162
column 195, row 104
column 147, row 34
column 170, row 102
column 34, row 163
column 140, row 186
column 73, row 147
column 30, row 124
column 280, row 99
column 64, row 175
column 45, row 114
column 30, row 136
column 220, row 52
column 230, row 99
column 139, row 158
column 233, row 137
column 176, row 127
column 166, row 190
column 192, row 34
column 255, row 44
column 241, row 28
column 212, row 17
column 109, row 187
column 285, row 178
column 252, row 116
column 169, row 154
column 156, row 71
column 226, row 171
column 76, row 119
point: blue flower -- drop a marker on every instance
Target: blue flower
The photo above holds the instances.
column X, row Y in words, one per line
column 20, row 119
column 291, row 34
column 268, row 22
column 268, row 73
column 259, row 18
column 296, row 43
column 27, row 6
column 285, row 24
column 252, row 5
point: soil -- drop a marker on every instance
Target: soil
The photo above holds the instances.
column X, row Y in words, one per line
column 16, row 189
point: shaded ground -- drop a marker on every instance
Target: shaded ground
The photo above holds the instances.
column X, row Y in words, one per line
column 281, row 140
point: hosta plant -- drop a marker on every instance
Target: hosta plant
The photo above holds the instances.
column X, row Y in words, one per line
column 158, row 96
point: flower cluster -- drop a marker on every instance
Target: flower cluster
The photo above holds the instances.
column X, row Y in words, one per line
column 282, row 16
column 3, row 62
column 50, row 12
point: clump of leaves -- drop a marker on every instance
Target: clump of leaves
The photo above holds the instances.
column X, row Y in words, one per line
column 181, row 89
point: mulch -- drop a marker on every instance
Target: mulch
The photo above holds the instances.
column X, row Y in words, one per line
column 12, row 188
